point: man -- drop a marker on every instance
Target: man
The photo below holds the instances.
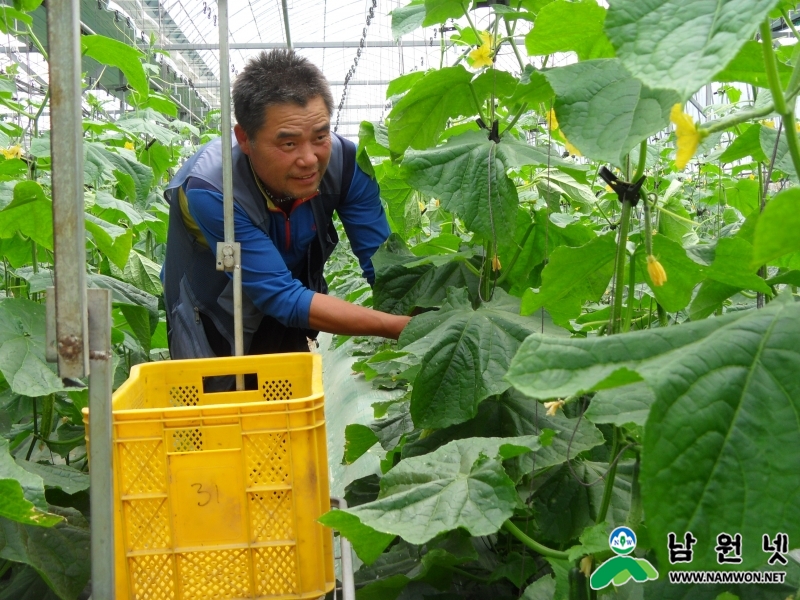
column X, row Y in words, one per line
column 290, row 172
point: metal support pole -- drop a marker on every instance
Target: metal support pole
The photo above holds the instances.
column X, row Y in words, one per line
column 101, row 494
column 66, row 143
column 345, row 549
column 229, row 256
column 286, row 25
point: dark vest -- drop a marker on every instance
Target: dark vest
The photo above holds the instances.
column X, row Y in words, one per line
column 192, row 285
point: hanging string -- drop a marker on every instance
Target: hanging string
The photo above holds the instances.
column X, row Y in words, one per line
column 352, row 70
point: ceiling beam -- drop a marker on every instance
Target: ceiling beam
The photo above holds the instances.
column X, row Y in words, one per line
column 178, row 47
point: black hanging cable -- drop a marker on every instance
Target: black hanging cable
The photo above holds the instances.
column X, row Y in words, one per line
column 352, row 70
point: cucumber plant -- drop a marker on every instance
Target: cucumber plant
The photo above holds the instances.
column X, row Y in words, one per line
column 605, row 301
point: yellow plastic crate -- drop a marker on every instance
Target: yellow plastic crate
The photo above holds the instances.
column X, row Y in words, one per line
column 217, row 494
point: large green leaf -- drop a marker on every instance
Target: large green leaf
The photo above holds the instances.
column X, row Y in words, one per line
column 113, row 210
column 468, row 175
column 512, row 415
column 406, row 19
column 404, row 281
column 401, row 207
column 62, row 477
column 159, row 158
column 683, row 274
column 100, row 164
column 604, row 111
column 32, row 485
column 727, row 396
column 59, row 554
column 439, row 11
column 30, row 213
column 563, row 26
column 746, row 144
column 731, row 266
column 124, row 294
column 680, row 45
column 367, row 543
column 465, row 354
column 627, row 404
column 112, row 240
column 572, row 276
column 149, row 129
column 22, row 361
column 770, row 144
column 126, row 58
column 777, row 228
column 142, row 273
column 420, row 117
column 18, row 509
column 462, row 484
column 748, row 67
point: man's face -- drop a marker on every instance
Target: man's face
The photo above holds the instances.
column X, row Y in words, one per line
column 291, row 150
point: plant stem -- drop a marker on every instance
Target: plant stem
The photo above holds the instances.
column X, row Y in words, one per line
column 788, row 21
column 663, row 321
column 515, row 119
column 39, row 113
column 46, row 422
column 648, row 226
column 736, row 118
column 626, row 325
column 35, row 431
column 533, row 544
column 784, row 109
column 642, row 161
column 471, row 24
column 619, row 269
column 36, row 42
column 478, row 105
column 510, row 33
column 635, row 513
column 510, row 266
column 608, row 488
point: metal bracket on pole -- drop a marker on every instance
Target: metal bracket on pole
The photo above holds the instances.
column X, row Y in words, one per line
column 66, row 143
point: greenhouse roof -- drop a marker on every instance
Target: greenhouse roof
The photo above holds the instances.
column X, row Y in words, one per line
column 328, row 32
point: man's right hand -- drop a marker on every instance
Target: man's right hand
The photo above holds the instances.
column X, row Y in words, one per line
column 337, row 316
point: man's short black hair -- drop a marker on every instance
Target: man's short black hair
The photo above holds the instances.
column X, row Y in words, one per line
column 276, row 77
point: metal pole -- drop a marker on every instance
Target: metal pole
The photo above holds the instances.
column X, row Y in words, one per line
column 229, row 252
column 66, row 143
column 286, row 25
column 101, row 491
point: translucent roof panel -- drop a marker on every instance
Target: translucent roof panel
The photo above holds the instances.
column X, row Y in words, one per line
column 338, row 25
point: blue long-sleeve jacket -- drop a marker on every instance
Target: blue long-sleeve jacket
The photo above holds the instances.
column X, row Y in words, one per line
column 268, row 261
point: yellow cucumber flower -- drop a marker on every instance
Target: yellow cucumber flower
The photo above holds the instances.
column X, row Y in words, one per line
column 13, row 152
column 586, row 566
column 656, row 271
column 481, row 56
column 552, row 407
column 552, row 124
column 496, row 266
column 129, row 146
column 689, row 136
column 570, row 148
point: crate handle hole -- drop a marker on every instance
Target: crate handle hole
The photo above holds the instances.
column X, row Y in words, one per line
column 215, row 384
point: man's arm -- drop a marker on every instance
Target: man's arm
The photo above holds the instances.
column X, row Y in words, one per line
column 270, row 285
column 333, row 315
